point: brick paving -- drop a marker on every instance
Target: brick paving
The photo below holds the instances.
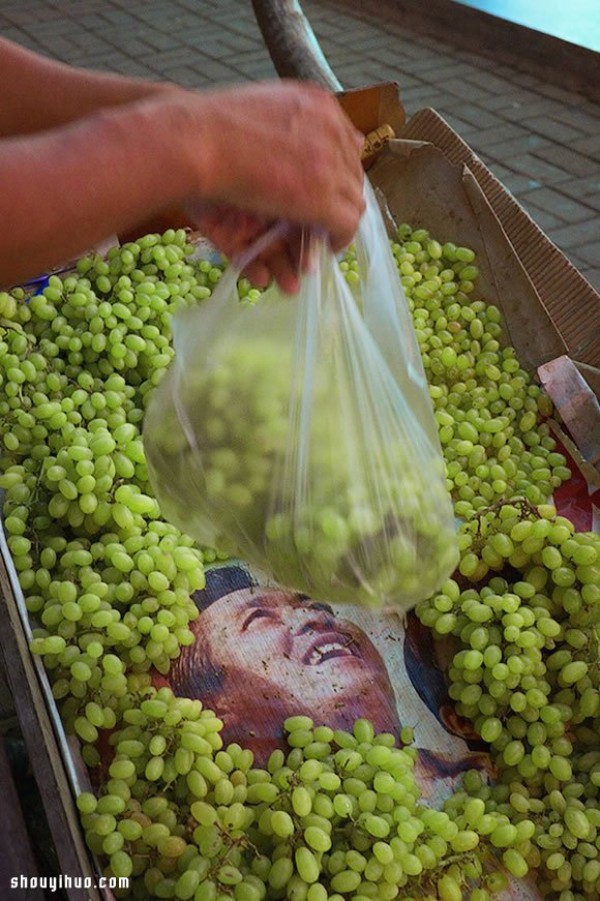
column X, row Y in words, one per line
column 541, row 140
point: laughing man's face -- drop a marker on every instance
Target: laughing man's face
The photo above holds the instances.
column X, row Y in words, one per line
column 296, row 652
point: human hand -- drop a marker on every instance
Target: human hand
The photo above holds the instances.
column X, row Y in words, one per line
column 313, row 176
column 284, row 258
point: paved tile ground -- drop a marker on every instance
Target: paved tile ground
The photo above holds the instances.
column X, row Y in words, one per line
column 542, row 141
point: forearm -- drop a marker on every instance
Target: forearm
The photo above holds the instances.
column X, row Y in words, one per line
column 66, row 189
column 37, row 93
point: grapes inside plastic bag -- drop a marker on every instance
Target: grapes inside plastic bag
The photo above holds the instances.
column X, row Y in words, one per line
column 298, row 434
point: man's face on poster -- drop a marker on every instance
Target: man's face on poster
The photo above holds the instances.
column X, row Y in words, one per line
column 263, row 654
column 273, row 653
column 293, row 642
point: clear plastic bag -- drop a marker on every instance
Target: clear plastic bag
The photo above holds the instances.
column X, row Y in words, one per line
column 298, row 434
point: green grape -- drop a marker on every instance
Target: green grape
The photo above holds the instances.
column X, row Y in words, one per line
column 449, row 889
column 282, row 824
column 281, row 872
column 307, row 865
column 301, row 801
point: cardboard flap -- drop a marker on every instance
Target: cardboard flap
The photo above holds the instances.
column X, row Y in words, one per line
column 575, row 401
column 376, row 111
column 572, row 303
column 379, row 104
column 422, row 187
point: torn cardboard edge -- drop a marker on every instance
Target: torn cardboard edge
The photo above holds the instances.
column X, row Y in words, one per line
column 422, row 188
column 573, row 304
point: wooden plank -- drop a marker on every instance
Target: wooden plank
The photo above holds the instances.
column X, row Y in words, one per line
column 17, row 858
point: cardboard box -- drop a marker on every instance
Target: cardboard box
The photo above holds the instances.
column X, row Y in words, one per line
column 428, row 176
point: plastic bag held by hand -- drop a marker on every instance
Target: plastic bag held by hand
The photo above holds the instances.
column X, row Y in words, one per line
column 298, row 434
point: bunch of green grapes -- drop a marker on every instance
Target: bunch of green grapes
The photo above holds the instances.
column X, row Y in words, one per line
column 338, row 816
column 491, row 415
column 526, row 672
column 107, row 581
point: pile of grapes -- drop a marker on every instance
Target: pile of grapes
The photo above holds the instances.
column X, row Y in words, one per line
column 108, row 581
column 526, row 673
